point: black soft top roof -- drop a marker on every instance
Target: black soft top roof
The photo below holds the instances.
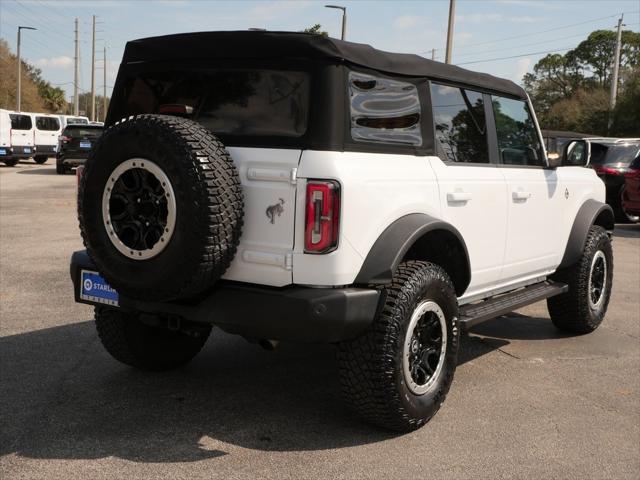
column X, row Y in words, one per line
column 290, row 45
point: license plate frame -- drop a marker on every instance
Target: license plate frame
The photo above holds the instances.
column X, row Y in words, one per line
column 95, row 289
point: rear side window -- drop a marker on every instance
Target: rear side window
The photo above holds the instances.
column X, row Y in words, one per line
column 49, row 124
column 518, row 140
column 77, row 121
column 232, row 102
column 461, row 127
column 20, row 122
column 384, row 110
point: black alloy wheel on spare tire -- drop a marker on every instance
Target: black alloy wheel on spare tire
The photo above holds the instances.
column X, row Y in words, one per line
column 160, row 207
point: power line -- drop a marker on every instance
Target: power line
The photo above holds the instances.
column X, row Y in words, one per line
column 538, row 32
column 516, row 56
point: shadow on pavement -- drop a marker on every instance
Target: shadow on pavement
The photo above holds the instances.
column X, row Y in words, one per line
column 39, row 171
column 627, row 231
column 65, row 398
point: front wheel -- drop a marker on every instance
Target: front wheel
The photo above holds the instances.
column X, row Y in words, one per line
column 40, row 159
column 134, row 342
column 583, row 307
column 398, row 373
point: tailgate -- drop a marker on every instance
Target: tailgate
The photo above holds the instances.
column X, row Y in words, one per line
column 268, row 182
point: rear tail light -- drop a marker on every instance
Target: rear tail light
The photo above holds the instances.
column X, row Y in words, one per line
column 65, row 139
column 610, row 170
column 633, row 173
column 322, row 222
column 175, row 109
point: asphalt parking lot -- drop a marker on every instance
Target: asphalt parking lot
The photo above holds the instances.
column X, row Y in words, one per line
column 527, row 401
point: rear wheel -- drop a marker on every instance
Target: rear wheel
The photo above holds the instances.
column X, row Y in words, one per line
column 40, row 159
column 61, row 168
column 133, row 342
column 398, row 373
column 583, row 307
column 10, row 162
column 622, row 216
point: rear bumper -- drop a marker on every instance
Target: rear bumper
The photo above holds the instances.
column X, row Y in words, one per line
column 301, row 314
column 46, row 149
column 17, row 152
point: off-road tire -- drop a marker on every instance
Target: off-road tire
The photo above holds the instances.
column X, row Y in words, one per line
column 10, row 162
column 145, row 347
column 370, row 366
column 571, row 311
column 40, row 159
column 61, row 169
column 209, row 207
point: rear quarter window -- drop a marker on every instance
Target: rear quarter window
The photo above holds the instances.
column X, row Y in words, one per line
column 384, row 110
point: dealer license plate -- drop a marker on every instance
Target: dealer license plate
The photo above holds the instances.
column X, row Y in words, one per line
column 27, row 150
column 85, row 144
column 94, row 288
column 3, row 151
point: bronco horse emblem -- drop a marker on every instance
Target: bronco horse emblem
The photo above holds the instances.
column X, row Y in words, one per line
column 274, row 210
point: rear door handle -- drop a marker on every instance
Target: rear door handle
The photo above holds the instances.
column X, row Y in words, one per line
column 521, row 195
column 458, row 197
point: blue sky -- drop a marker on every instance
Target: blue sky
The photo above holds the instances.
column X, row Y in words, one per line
column 485, row 30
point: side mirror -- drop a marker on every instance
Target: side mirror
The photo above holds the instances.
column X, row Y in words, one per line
column 576, row 153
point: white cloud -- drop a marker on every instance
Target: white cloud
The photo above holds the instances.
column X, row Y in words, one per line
column 54, row 62
column 407, row 22
column 480, row 17
column 477, row 18
column 522, row 67
column 277, row 8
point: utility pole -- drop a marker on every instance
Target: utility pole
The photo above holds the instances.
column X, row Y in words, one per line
column 76, row 73
column 104, row 86
column 19, row 81
column 614, row 75
column 93, row 72
column 452, row 14
column 433, row 54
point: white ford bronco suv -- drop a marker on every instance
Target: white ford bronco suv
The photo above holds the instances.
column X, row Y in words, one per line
column 293, row 187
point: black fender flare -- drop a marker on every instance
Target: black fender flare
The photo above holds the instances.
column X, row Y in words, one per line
column 590, row 213
column 395, row 241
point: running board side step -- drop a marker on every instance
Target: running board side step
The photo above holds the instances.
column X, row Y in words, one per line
column 474, row 313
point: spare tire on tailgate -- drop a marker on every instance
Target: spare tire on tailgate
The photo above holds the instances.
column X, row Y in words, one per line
column 160, row 207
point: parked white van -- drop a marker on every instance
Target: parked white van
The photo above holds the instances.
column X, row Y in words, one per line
column 47, row 129
column 16, row 137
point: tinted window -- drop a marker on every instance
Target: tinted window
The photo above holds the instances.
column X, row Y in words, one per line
column 518, row 140
column 20, row 122
column 610, row 154
column 234, row 102
column 461, row 128
column 82, row 131
column 384, row 110
column 49, row 124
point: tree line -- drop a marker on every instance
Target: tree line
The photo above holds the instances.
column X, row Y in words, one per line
column 572, row 91
column 38, row 95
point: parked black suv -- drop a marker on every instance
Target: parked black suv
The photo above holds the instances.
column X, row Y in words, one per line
column 74, row 146
column 610, row 158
